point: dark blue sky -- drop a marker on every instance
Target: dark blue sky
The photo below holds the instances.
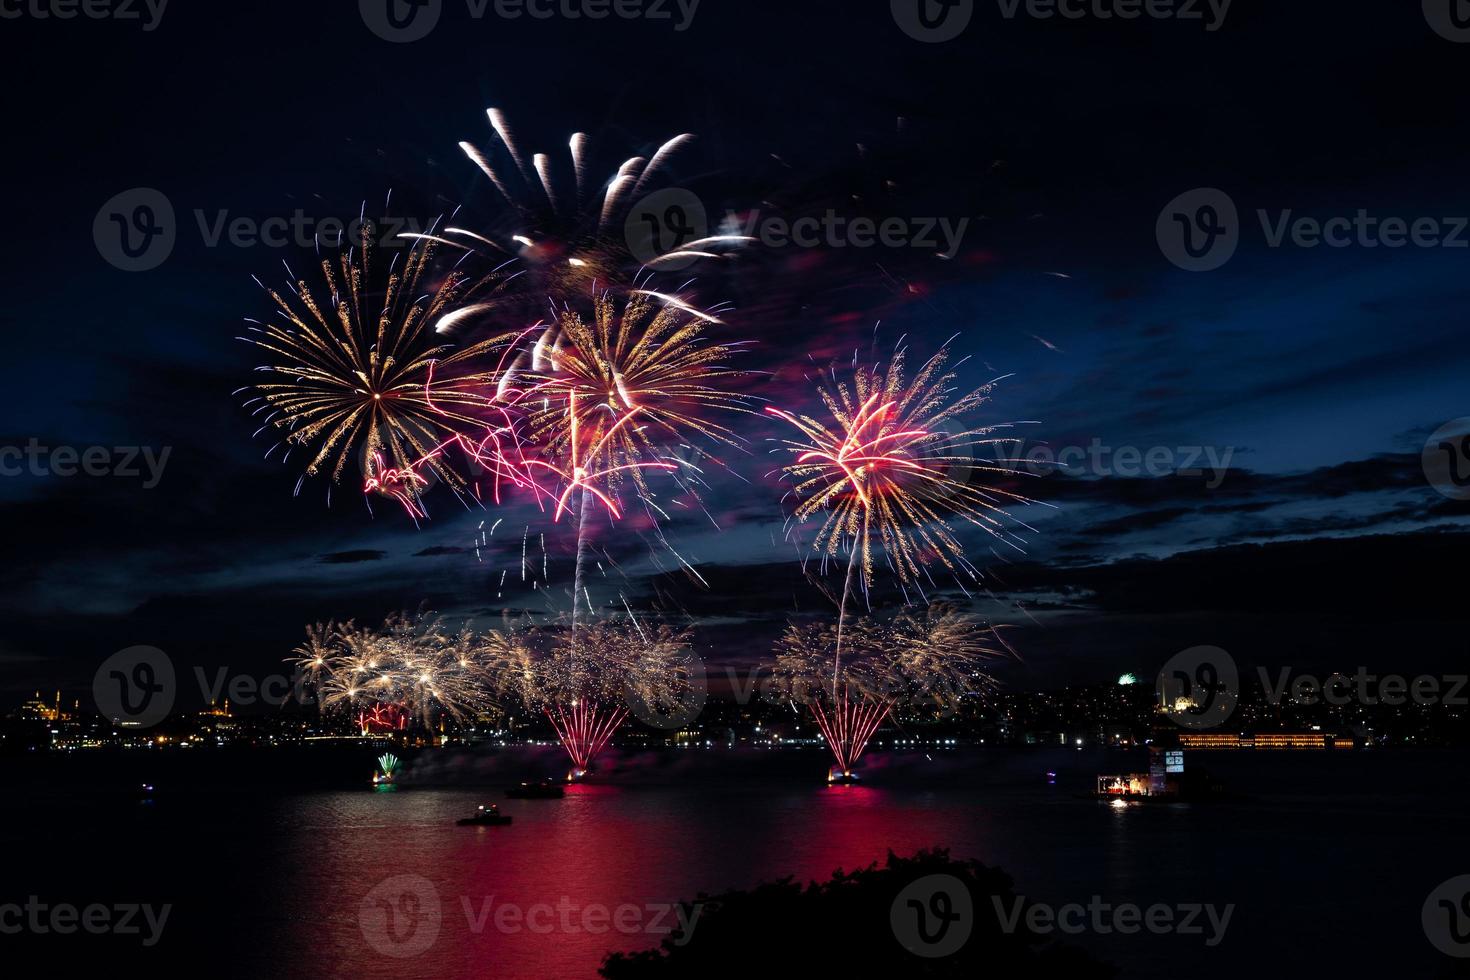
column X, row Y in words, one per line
column 1320, row 371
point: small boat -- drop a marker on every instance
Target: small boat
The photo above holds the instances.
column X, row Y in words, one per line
column 488, row 815
column 543, row 789
column 386, row 779
column 841, row 777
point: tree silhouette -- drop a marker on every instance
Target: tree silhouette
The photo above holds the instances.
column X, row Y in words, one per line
column 849, row 925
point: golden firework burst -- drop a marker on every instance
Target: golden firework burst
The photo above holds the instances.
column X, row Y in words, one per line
column 358, row 368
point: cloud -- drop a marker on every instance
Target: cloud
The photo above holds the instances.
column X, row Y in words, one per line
column 351, row 557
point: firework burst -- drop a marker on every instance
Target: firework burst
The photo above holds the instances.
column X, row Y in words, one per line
column 930, row 660
column 356, row 367
column 583, row 677
column 410, row 667
column 895, row 466
column 606, row 399
column 567, row 229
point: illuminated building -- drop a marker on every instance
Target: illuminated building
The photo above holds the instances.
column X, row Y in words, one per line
column 39, row 710
column 215, row 711
column 1308, row 741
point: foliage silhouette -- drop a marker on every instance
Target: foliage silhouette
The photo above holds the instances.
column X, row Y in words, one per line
column 843, row 926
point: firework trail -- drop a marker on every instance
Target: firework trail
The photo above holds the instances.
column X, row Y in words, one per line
column 610, row 398
column 893, row 466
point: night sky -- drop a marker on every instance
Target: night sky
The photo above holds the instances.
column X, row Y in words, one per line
column 1321, row 371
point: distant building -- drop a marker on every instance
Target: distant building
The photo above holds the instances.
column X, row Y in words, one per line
column 1309, row 741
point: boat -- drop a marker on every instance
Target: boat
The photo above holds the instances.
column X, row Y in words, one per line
column 841, row 777
column 1168, row 781
column 488, row 815
column 386, row 778
column 542, row 789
